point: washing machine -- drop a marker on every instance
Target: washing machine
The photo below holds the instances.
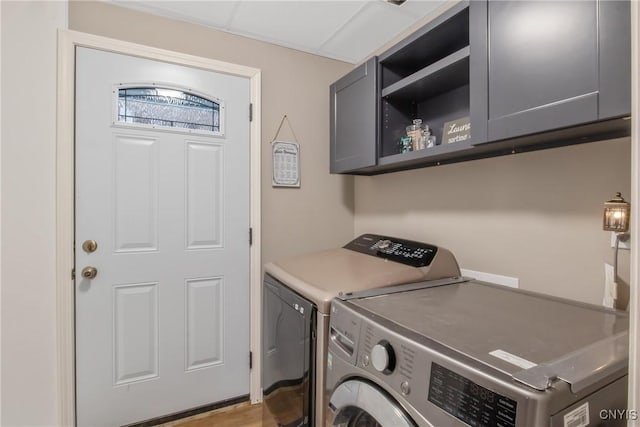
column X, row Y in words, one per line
column 297, row 295
column 473, row 354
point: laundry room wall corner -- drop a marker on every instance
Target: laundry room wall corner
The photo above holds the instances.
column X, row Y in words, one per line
column 29, row 361
column 634, row 329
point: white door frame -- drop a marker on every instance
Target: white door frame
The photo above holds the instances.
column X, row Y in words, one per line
column 634, row 307
column 65, row 170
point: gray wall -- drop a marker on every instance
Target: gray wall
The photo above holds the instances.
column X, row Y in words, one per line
column 536, row 216
column 29, row 382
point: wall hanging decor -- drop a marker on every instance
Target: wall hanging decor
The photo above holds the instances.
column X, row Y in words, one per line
column 286, row 159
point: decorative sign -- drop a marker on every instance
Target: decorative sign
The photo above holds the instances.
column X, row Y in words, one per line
column 457, row 130
column 286, row 164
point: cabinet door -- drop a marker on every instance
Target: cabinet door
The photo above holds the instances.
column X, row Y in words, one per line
column 354, row 119
column 614, row 97
column 543, row 66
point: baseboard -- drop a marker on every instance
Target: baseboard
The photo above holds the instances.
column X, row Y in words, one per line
column 190, row 412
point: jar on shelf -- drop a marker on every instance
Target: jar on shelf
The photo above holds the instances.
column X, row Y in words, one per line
column 419, row 133
column 414, row 132
column 431, row 141
column 405, row 144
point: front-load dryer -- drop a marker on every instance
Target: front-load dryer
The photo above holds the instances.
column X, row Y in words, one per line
column 297, row 295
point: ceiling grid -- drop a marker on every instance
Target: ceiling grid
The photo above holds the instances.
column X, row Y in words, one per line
column 346, row 30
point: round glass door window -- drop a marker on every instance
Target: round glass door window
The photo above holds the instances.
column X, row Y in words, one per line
column 355, row 417
column 360, row 404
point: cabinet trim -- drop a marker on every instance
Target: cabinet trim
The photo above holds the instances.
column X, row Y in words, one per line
column 568, row 112
column 355, row 75
column 478, row 70
column 614, row 58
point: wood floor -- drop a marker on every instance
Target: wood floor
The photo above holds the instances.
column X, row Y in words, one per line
column 241, row 415
column 287, row 406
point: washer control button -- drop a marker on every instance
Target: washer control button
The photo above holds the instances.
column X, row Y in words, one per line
column 383, row 357
column 365, row 360
column 405, row 388
column 380, row 357
column 384, row 244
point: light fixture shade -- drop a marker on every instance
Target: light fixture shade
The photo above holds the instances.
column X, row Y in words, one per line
column 616, row 214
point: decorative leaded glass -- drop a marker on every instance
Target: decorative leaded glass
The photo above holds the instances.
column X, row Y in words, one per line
column 171, row 108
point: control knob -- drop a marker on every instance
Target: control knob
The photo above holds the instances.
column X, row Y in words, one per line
column 383, row 358
column 384, row 244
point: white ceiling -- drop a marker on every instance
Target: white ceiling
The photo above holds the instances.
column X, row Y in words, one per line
column 348, row 30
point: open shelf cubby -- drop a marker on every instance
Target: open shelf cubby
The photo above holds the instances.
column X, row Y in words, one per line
column 424, row 48
column 425, row 77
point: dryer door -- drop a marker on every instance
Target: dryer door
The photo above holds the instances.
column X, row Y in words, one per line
column 357, row 403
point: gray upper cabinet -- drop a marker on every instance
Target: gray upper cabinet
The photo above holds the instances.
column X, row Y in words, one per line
column 353, row 116
column 615, row 59
column 528, row 74
column 551, row 65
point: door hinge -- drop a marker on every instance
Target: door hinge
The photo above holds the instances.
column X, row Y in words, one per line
column 250, row 236
column 250, row 360
column 250, row 112
column 73, row 274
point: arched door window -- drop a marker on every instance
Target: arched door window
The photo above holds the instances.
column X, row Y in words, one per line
column 169, row 108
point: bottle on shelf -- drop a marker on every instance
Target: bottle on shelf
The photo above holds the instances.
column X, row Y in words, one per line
column 420, row 136
column 431, row 141
column 405, row 144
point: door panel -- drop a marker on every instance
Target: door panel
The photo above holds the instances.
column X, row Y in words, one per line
column 541, row 75
column 204, row 322
column 536, row 57
column 135, row 169
column 135, row 332
column 164, row 326
column 204, row 195
column 353, row 119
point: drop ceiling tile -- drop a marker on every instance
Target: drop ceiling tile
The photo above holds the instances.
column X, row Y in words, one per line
column 209, row 13
column 303, row 24
column 374, row 26
column 348, row 30
column 420, row 8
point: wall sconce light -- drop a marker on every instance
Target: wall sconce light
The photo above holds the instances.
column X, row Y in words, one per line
column 617, row 213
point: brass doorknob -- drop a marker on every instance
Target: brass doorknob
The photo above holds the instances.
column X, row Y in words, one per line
column 89, row 272
column 89, row 246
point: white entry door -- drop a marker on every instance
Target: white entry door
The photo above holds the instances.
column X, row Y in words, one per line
column 162, row 188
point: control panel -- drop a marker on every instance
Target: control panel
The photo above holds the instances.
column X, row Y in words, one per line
column 423, row 378
column 415, row 254
column 468, row 401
